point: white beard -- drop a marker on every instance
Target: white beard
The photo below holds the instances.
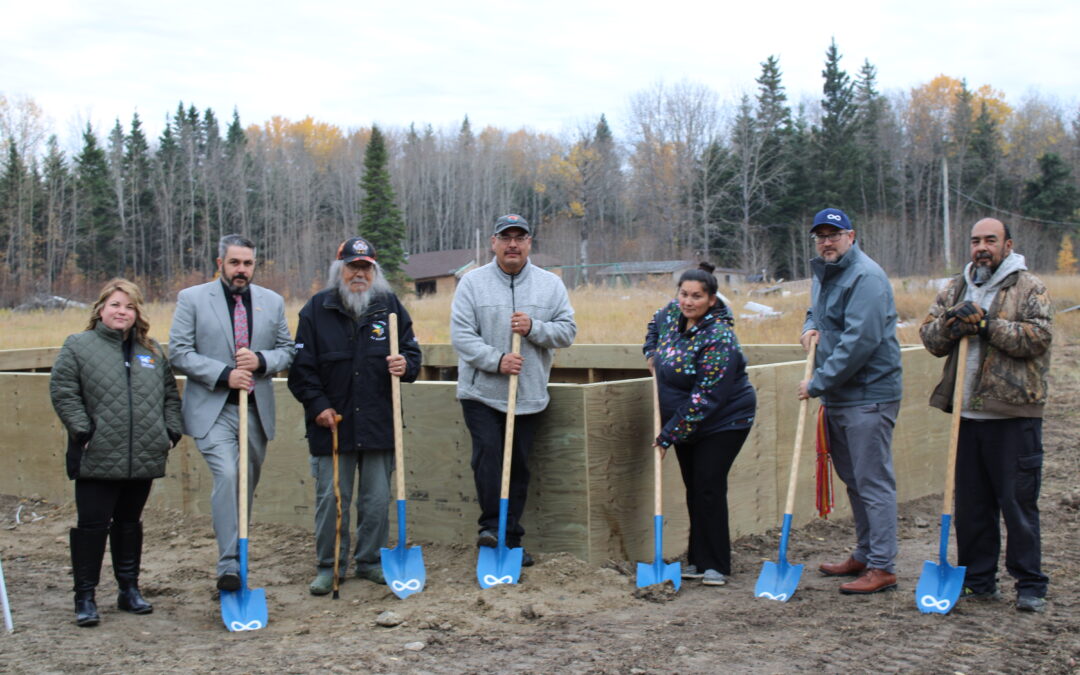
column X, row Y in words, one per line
column 355, row 302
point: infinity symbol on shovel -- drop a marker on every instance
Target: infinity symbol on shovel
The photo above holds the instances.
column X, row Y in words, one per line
column 780, row 596
column 238, row 625
column 931, row 601
column 492, row 579
column 410, row 585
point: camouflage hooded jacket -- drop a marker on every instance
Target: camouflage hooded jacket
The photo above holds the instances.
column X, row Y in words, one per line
column 1011, row 379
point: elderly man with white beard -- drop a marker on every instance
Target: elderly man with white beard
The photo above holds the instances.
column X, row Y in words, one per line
column 343, row 367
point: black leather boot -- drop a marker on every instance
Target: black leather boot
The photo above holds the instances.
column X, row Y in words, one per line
column 87, row 552
column 126, row 549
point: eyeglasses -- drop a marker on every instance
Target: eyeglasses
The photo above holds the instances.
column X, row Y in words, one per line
column 518, row 239
column 832, row 236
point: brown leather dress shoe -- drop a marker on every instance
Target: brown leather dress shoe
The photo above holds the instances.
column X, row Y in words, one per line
column 849, row 568
column 871, row 581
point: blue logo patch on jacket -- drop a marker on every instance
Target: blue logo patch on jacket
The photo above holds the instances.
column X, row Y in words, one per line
column 378, row 330
column 145, row 360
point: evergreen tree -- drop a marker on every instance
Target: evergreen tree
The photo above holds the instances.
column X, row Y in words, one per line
column 775, row 127
column 984, row 173
column 140, row 196
column 96, row 217
column 875, row 181
column 380, row 220
column 837, row 157
column 235, row 138
column 56, row 183
column 1051, row 195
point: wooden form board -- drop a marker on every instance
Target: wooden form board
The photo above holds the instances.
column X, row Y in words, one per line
column 591, row 464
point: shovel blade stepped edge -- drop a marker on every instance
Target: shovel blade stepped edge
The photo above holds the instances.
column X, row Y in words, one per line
column 657, row 572
column 649, row 574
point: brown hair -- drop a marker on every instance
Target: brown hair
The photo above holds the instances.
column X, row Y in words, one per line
column 141, row 328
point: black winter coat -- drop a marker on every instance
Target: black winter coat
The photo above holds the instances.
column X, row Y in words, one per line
column 341, row 364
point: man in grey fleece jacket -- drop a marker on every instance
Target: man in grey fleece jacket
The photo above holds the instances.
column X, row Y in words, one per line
column 508, row 295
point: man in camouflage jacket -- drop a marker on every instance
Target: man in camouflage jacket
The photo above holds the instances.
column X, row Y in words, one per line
column 1005, row 313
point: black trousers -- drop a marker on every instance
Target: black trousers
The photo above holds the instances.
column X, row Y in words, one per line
column 705, row 466
column 488, row 428
column 100, row 503
column 998, row 475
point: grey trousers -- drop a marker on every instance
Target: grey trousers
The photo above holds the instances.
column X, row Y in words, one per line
column 372, row 506
column 860, row 441
column 221, row 449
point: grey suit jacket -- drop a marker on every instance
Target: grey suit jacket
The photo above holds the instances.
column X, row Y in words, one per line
column 201, row 345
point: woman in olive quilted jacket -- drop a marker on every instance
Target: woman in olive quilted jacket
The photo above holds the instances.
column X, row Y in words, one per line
column 115, row 392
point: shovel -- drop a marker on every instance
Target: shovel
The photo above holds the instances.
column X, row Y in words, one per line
column 940, row 584
column 244, row 609
column 337, row 503
column 502, row 565
column 658, row 572
column 778, row 580
column 7, row 608
column 402, row 566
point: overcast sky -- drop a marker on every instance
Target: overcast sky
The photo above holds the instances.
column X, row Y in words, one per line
column 548, row 65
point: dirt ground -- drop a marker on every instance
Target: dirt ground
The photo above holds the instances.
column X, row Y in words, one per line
column 565, row 616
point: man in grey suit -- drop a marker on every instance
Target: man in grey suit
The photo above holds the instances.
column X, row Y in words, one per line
column 229, row 337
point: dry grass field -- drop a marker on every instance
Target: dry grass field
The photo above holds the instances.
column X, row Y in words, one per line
column 604, row 315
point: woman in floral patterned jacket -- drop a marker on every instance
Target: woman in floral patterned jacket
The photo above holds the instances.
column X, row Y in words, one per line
column 707, row 408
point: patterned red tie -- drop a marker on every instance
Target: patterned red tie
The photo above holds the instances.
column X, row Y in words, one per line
column 240, row 328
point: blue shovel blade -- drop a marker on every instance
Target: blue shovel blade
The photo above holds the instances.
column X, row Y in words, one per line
column 778, row 581
column 498, row 565
column 244, row 609
column 403, row 568
column 658, row 572
column 939, row 587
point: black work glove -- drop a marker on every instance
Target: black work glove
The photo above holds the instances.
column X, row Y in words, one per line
column 966, row 311
column 958, row 329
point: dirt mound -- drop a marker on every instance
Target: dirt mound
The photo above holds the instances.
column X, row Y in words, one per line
column 564, row 616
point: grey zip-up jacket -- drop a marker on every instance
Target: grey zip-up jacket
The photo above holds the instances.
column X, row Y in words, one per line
column 480, row 332
column 858, row 355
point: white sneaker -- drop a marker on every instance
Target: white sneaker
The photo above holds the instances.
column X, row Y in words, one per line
column 691, row 572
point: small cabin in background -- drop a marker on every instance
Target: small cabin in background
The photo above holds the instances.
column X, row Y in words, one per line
column 634, row 272
column 437, row 272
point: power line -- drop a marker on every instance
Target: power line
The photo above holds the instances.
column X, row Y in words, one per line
column 1010, row 213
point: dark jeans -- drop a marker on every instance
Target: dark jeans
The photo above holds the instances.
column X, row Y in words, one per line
column 705, row 466
column 102, row 502
column 998, row 475
column 488, row 428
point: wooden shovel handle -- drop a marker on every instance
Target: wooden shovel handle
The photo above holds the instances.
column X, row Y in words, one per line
column 799, row 427
column 508, row 441
column 242, row 469
column 337, row 500
column 395, row 398
column 658, row 460
column 954, row 427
